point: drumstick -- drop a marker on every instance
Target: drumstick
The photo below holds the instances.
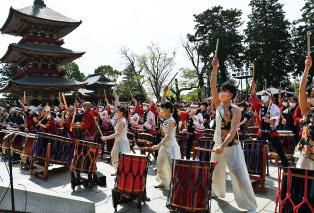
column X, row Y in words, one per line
column 254, row 73
column 21, row 103
column 65, row 102
column 309, row 43
column 172, row 79
column 217, row 45
column 59, row 98
column 41, row 120
column 131, row 94
column 142, row 148
column 98, row 127
column 24, row 97
column 73, row 118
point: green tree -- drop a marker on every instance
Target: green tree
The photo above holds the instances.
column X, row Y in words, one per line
column 299, row 32
column 7, row 72
column 210, row 25
column 108, row 72
column 130, row 85
column 72, row 71
column 188, row 81
column 157, row 65
column 269, row 42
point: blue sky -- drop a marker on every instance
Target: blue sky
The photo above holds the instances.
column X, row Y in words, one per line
column 109, row 25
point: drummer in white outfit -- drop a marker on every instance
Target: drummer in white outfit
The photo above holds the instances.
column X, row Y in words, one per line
column 168, row 147
column 227, row 150
column 121, row 142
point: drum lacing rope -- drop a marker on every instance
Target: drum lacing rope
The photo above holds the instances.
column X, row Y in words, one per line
column 177, row 181
column 125, row 174
column 305, row 198
column 288, row 193
column 85, row 156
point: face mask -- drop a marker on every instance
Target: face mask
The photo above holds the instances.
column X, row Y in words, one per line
column 48, row 117
column 293, row 105
column 145, row 108
column 131, row 110
column 285, row 104
column 223, row 96
column 265, row 98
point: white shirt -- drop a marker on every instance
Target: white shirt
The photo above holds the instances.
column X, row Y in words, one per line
column 198, row 121
column 134, row 119
column 150, row 121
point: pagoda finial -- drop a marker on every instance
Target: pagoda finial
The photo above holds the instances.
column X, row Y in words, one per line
column 40, row 3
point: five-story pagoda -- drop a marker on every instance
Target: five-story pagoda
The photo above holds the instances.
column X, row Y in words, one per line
column 39, row 52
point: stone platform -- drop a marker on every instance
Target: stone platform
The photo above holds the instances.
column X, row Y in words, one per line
column 58, row 187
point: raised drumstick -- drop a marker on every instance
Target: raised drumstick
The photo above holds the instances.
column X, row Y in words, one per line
column 64, row 101
column 309, row 43
column 217, row 46
column 98, row 127
column 73, row 119
column 172, row 79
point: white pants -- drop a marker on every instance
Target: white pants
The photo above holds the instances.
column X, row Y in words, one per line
column 305, row 163
column 233, row 158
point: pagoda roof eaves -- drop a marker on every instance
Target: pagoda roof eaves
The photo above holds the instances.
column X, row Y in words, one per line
column 40, row 19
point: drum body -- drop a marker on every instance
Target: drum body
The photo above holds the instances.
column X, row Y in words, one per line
column 202, row 150
column 253, row 130
column 145, row 140
column 61, row 148
column 288, row 145
column 23, row 146
column 296, row 191
column 130, row 183
column 255, row 154
column 190, row 188
column 84, row 161
column 182, row 139
column 85, row 157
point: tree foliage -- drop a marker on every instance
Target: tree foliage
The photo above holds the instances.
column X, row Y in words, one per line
column 299, row 37
column 73, row 72
column 210, row 25
column 129, row 87
column 157, row 65
column 269, row 42
column 7, row 72
column 108, row 72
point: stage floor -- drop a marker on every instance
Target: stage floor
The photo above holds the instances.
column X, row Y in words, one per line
column 60, row 185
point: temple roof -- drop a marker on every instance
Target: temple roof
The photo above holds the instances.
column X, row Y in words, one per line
column 13, row 54
column 40, row 85
column 98, row 80
column 37, row 13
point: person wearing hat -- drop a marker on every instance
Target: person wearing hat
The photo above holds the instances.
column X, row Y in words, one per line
column 31, row 119
column 268, row 116
column 88, row 123
column 17, row 119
